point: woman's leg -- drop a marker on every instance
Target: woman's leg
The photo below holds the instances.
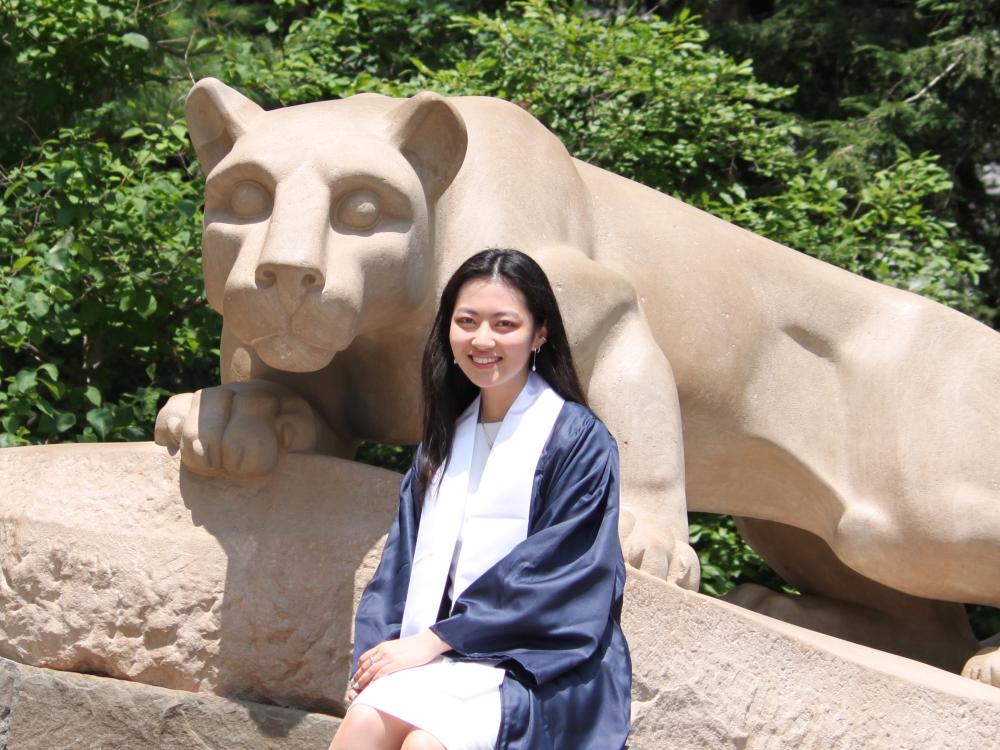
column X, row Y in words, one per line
column 365, row 728
column 418, row 739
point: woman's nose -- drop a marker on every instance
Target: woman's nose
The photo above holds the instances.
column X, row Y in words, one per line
column 483, row 338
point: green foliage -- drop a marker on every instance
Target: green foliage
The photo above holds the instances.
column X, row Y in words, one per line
column 392, row 457
column 726, row 560
column 876, row 79
column 985, row 621
column 341, row 49
column 101, row 307
column 58, row 57
column 641, row 97
column 337, row 44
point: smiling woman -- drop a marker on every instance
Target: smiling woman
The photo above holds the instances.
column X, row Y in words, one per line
column 492, row 620
column 492, row 336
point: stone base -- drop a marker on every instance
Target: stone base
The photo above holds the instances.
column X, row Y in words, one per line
column 707, row 674
column 115, row 560
column 42, row 709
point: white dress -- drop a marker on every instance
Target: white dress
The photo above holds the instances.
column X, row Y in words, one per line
column 456, row 701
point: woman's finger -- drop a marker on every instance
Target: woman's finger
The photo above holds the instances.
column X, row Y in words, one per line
column 367, row 668
column 386, row 668
column 366, row 676
column 365, row 672
column 362, row 668
column 367, row 659
column 363, row 679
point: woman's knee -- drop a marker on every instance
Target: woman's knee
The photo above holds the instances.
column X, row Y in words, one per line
column 418, row 739
column 364, row 719
column 365, row 727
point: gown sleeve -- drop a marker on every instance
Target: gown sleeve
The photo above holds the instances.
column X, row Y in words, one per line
column 379, row 616
column 545, row 608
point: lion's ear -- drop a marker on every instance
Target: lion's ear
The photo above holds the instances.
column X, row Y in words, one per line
column 217, row 115
column 431, row 135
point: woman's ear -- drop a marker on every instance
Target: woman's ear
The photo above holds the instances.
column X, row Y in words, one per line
column 540, row 335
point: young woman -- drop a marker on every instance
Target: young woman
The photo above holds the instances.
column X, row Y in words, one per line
column 492, row 620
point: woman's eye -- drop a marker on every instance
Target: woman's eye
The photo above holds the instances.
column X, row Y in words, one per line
column 359, row 210
column 249, row 200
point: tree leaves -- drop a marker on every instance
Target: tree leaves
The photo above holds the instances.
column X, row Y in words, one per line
column 134, row 39
column 102, row 419
column 105, row 268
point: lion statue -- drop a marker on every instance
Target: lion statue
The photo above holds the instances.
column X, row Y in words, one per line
column 851, row 427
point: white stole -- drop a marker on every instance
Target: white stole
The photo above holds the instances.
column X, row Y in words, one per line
column 495, row 517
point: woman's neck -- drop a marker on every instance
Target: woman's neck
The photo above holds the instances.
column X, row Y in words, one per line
column 495, row 402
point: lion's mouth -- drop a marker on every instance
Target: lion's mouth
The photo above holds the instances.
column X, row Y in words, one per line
column 285, row 351
column 304, row 341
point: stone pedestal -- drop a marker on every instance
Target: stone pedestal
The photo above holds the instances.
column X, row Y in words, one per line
column 117, row 561
column 707, row 674
column 114, row 560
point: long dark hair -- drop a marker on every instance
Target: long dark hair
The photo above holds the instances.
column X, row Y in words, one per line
column 447, row 392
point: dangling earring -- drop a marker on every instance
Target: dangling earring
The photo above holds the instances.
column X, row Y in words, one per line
column 534, row 360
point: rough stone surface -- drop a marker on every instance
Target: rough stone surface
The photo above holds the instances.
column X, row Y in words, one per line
column 50, row 710
column 708, row 674
column 114, row 559
column 117, row 562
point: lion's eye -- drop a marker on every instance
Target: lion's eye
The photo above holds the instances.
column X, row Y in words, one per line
column 359, row 210
column 249, row 199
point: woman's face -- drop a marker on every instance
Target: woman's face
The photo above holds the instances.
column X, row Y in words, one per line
column 492, row 335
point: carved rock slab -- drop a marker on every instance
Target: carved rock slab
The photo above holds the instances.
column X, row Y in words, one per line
column 115, row 560
column 707, row 674
column 42, row 709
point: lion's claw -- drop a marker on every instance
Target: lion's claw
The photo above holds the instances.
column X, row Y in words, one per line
column 649, row 546
column 239, row 429
column 984, row 667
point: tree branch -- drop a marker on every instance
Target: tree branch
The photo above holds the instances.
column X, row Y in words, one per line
column 937, row 79
column 38, row 355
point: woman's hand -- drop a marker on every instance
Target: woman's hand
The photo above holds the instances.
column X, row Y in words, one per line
column 394, row 655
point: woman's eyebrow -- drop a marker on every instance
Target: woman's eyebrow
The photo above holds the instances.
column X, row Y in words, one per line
column 498, row 314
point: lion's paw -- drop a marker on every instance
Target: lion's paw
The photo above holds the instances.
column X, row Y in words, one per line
column 239, row 428
column 984, row 666
column 648, row 545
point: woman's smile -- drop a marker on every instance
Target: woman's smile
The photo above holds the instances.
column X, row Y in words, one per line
column 484, row 362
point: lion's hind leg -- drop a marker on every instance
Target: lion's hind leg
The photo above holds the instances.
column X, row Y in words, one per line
column 838, row 601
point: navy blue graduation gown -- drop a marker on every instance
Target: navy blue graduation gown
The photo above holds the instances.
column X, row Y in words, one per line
column 550, row 610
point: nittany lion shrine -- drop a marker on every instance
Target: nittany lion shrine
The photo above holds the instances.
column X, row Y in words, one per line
column 199, row 591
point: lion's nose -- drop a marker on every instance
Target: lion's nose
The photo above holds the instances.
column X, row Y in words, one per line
column 306, row 278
